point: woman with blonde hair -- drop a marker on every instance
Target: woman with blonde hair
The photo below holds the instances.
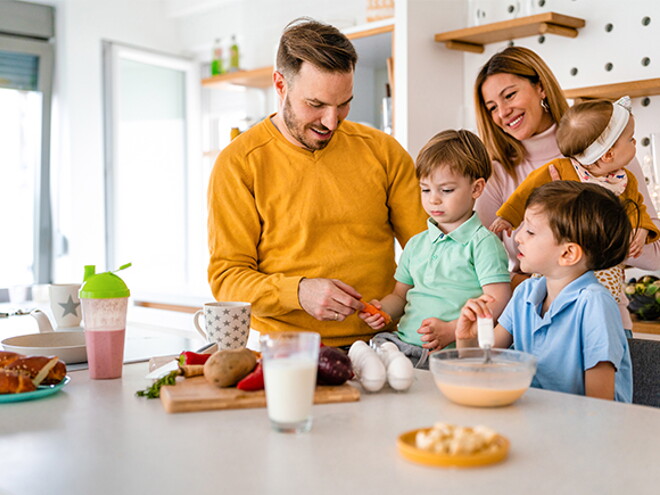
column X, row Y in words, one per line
column 518, row 105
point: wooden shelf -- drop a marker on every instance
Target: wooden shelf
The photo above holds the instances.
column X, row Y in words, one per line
column 474, row 38
column 634, row 89
column 261, row 78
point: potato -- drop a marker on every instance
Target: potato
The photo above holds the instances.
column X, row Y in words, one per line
column 226, row 368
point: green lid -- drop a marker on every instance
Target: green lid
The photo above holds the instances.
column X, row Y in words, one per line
column 104, row 285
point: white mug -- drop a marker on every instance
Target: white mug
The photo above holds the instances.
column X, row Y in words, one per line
column 65, row 305
column 226, row 324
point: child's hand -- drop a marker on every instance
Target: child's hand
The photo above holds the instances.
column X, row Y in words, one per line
column 466, row 326
column 637, row 242
column 436, row 333
column 499, row 224
column 374, row 320
column 372, row 310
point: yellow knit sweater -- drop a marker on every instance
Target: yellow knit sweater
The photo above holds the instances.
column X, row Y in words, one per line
column 278, row 213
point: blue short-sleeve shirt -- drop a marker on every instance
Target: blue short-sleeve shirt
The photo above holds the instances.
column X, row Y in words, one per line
column 445, row 271
column 581, row 328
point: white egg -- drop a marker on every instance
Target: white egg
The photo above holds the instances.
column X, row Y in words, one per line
column 400, row 373
column 389, row 347
column 368, row 368
column 372, row 374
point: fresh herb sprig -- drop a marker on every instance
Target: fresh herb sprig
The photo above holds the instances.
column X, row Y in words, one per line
column 153, row 392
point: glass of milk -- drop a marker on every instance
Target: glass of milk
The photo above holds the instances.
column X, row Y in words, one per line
column 290, row 360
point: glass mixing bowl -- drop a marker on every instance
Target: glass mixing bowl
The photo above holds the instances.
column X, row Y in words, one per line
column 464, row 376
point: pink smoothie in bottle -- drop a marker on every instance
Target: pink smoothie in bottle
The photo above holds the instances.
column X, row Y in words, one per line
column 105, row 348
column 104, row 300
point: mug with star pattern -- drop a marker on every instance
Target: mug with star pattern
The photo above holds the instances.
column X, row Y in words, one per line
column 65, row 305
column 226, row 324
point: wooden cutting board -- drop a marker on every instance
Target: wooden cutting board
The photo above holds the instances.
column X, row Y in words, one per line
column 196, row 394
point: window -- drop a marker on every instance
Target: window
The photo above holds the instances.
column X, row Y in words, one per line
column 26, row 71
column 20, row 136
column 155, row 193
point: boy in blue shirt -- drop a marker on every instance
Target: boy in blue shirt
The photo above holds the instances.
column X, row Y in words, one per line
column 456, row 259
column 566, row 318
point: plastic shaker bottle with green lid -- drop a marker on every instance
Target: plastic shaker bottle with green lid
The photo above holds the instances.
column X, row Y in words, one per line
column 104, row 300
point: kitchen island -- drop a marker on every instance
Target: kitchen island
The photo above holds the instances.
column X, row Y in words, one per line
column 97, row 437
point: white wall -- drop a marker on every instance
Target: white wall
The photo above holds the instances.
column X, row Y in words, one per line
column 428, row 78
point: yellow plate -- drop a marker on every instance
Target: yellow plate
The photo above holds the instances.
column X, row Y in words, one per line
column 408, row 450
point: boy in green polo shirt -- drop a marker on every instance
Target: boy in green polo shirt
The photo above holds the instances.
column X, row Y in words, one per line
column 456, row 259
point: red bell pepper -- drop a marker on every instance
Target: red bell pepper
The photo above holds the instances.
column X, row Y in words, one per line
column 253, row 381
column 189, row 357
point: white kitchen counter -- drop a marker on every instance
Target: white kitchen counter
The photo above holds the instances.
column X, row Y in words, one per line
column 97, row 437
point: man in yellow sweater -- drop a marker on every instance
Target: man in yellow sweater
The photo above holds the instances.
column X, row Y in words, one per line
column 304, row 207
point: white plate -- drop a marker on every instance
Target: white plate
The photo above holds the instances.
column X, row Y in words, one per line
column 68, row 346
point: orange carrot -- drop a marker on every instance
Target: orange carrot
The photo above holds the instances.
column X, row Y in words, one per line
column 373, row 310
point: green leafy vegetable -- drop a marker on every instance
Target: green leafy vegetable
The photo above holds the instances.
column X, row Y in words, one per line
column 153, row 392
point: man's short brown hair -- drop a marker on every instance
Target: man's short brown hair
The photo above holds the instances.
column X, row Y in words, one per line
column 322, row 45
column 462, row 151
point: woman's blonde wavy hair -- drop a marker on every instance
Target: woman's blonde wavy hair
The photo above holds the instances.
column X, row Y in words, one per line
column 525, row 63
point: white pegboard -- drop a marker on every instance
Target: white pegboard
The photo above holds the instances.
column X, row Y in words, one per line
column 624, row 46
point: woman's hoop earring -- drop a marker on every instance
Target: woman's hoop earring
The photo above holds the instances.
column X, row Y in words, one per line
column 544, row 106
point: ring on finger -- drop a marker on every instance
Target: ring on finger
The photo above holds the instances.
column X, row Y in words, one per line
column 336, row 316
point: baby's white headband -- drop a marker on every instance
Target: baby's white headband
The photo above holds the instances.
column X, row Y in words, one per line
column 620, row 113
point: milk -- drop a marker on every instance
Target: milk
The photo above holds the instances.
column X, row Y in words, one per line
column 290, row 384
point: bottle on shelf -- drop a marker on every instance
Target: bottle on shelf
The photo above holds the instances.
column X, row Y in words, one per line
column 217, row 64
column 234, row 55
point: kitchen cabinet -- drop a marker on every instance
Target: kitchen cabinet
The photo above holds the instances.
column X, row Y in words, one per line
column 474, row 38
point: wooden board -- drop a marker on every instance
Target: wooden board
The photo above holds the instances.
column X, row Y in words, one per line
column 196, row 394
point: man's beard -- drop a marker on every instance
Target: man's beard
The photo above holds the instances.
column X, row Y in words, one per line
column 297, row 130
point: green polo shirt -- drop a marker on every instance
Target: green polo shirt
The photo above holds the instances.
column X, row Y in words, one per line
column 445, row 271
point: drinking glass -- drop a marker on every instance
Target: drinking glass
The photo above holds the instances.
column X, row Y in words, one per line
column 290, row 361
